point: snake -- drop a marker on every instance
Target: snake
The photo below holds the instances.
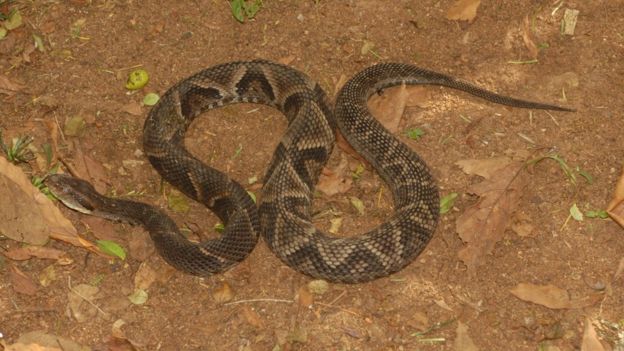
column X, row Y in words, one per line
column 284, row 217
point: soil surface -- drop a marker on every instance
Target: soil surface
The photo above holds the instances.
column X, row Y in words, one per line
column 436, row 303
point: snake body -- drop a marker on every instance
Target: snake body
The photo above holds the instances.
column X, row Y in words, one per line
column 284, row 217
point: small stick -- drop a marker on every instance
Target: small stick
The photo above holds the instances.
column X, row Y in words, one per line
column 257, row 300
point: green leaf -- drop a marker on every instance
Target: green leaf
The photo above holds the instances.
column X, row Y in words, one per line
column 14, row 20
column 415, row 133
column 252, row 196
column 447, row 202
column 588, row 177
column 602, row 214
column 251, row 9
column 137, row 79
column 359, row 170
column 576, row 213
column 151, row 99
column 74, row 126
column 178, row 203
column 219, row 227
column 3, row 32
column 138, row 297
column 47, row 152
column 358, row 204
column 237, row 10
column 111, row 248
column 39, row 43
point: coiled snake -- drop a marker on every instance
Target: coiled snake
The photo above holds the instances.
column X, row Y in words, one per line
column 284, row 216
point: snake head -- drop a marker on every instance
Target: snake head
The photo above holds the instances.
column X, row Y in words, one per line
column 74, row 193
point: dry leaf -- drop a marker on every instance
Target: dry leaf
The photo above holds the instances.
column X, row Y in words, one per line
column 527, row 38
column 87, row 168
column 305, row 297
column 21, row 282
column 223, row 293
column 28, row 215
column 26, row 252
column 144, row 277
column 552, row 296
column 336, row 181
column 482, row 225
column 252, row 317
column 619, row 270
column 101, row 228
column 80, row 301
column 463, row 342
column 133, row 108
column 483, row 167
column 590, row 338
column 616, row 206
column 120, row 344
column 523, row 229
column 140, row 246
column 39, row 340
column 343, row 144
column 9, row 87
column 340, row 83
column 388, row 108
column 463, row 10
column 286, row 60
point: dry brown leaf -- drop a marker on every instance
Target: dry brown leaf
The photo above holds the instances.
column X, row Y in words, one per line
column 144, row 277
column 39, row 340
column 619, row 270
column 80, row 301
column 616, row 206
column 222, row 294
column 133, row 108
column 120, row 344
column 483, row 167
column 87, row 168
column 101, row 228
column 8, row 86
column 335, row 181
column 388, row 107
column 527, row 37
column 523, row 229
column 28, row 215
column 305, row 297
column 340, row 83
column 482, row 225
column 21, row 282
column 463, row 342
column 140, row 246
column 552, row 296
column 343, row 144
column 286, row 60
column 252, row 317
column 590, row 338
column 463, row 10
column 26, row 252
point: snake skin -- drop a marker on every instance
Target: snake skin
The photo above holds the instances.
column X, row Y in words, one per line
column 284, row 217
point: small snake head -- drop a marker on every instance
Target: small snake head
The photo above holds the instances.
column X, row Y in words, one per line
column 74, row 193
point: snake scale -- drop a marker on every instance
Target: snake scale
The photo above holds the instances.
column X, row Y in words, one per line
column 283, row 217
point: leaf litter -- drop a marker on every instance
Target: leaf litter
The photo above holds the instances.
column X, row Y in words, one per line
column 552, row 296
column 463, row 10
column 615, row 209
column 483, row 224
column 28, row 215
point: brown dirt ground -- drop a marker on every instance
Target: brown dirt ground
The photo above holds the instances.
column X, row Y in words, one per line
column 84, row 76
